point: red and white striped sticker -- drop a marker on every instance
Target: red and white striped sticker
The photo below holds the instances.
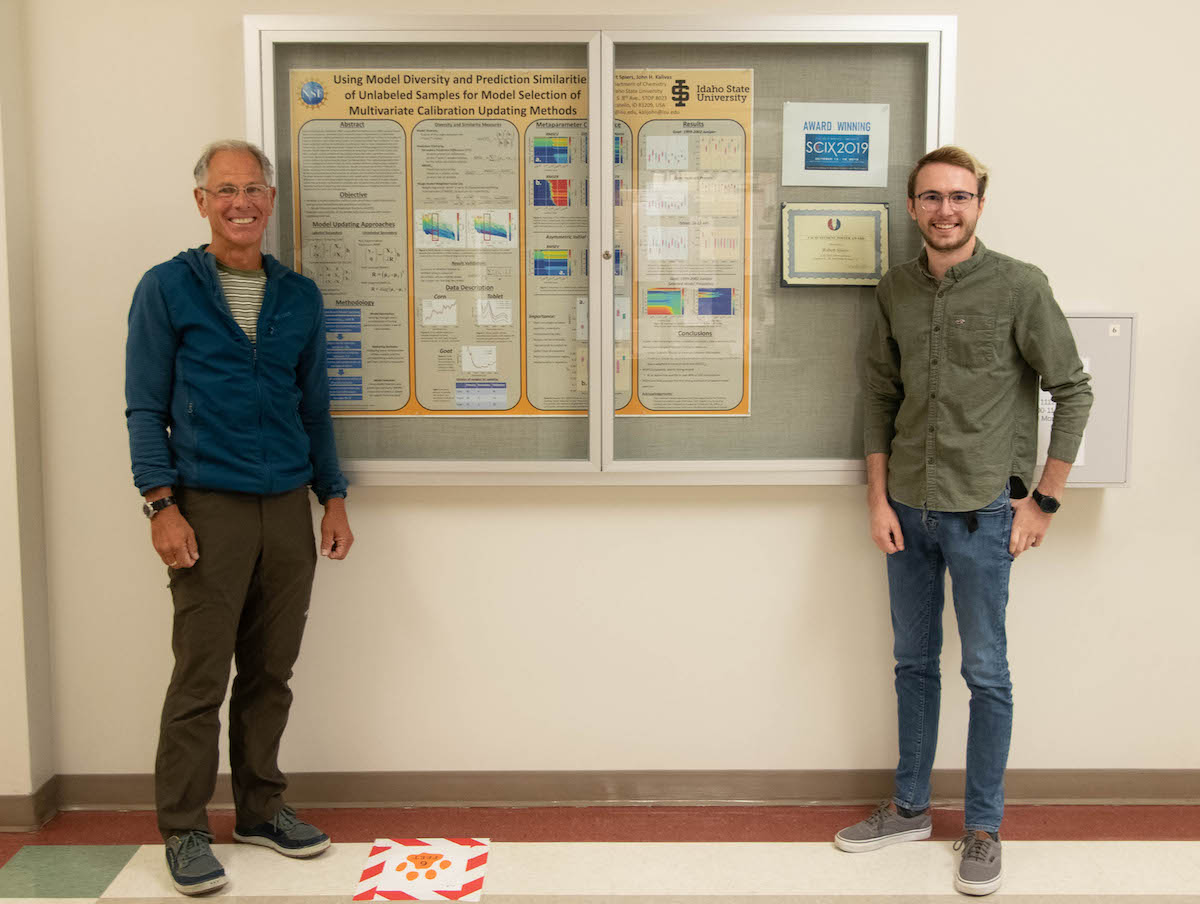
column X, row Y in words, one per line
column 424, row 869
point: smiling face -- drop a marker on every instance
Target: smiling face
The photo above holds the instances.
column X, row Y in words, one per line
column 237, row 225
column 946, row 230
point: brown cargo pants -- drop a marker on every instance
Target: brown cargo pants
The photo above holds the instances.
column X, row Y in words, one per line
column 245, row 600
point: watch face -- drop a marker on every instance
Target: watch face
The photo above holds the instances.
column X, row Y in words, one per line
column 1048, row 504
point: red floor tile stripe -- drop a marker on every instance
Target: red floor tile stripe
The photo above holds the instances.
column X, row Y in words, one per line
column 737, row 823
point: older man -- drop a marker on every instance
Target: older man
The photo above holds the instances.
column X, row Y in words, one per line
column 962, row 337
column 228, row 416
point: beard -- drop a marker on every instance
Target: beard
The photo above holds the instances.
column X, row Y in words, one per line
column 939, row 241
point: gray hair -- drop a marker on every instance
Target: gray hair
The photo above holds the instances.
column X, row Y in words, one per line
column 232, row 144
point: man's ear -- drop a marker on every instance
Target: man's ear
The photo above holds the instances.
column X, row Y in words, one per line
column 198, row 194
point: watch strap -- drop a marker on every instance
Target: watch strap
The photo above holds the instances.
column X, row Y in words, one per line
column 150, row 509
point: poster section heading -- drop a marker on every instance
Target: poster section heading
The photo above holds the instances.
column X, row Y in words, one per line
column 482, row 94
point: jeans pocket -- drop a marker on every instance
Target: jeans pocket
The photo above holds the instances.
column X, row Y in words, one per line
column 997, row 505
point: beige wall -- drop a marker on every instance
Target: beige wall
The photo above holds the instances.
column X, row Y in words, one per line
column 26, row 707
column 568, row 645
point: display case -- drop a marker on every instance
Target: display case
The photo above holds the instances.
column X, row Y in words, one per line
column 596, row 251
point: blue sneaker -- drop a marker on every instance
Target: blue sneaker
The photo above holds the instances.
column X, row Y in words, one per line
column 285, row 833
column 194, row 869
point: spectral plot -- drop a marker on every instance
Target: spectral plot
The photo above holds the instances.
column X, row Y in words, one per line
column 664, row 301
column 551, row 262
column 714, row 301
column 552, row 150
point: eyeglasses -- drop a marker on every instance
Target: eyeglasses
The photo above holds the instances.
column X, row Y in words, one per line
column 253, row 192
column 932, row 200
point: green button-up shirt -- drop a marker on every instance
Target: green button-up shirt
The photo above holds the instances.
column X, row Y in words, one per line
column 952, row 379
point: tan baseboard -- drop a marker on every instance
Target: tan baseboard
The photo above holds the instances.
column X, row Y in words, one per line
column 381, row 789
column 27, row 812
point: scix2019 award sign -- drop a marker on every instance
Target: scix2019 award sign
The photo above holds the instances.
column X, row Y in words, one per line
column 835, row 144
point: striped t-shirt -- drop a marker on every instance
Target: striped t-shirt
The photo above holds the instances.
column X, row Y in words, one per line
column 244, row 293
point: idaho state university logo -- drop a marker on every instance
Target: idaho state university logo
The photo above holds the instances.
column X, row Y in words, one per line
column 834, row 224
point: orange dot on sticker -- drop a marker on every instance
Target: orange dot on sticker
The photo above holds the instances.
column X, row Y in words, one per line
column 430, row 874
column 411, row 875
column 444, row 864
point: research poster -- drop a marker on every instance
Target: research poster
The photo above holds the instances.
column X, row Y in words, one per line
column 689, row 289
column 443, row 213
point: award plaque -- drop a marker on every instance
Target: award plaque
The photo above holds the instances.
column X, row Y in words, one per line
column 834, row 244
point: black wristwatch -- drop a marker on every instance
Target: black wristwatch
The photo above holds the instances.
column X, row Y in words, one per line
column 1047, row 504
column 151, row 509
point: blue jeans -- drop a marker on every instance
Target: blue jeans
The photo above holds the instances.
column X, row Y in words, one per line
column 979, row 565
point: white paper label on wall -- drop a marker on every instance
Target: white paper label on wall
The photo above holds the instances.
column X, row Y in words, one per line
column 835, row 144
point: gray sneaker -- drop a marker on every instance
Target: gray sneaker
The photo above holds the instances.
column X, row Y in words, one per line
column 286, row 833
column 194, row 869
column 979, row 869
column 881, row 828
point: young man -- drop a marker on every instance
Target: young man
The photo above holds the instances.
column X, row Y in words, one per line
column 962, row 336
column 228, row 415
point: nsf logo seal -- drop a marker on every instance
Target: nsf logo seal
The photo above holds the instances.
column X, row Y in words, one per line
column 312, row 94
column 834, row 224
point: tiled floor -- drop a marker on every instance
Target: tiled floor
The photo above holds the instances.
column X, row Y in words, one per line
column 639, row 855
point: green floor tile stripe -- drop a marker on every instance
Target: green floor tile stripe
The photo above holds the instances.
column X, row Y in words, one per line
column 63, row 870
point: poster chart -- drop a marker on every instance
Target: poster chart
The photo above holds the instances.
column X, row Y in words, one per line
column 686, row 136
column 443, row 213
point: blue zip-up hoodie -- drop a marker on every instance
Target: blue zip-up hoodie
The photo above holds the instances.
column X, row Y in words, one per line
column 209, row 409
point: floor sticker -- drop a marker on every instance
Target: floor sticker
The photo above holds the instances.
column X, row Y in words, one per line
column 424, row 869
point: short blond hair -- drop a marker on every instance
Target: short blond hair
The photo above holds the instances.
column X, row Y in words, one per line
column 955, row 156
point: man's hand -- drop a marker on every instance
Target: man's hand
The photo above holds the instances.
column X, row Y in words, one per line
column 1029, row 526
column 885, row 527
column 173, row 538
column 336, row 537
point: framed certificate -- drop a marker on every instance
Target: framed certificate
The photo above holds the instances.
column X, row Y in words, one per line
column 834, row 244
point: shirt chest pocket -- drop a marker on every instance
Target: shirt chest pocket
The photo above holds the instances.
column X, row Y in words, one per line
column 971, row 338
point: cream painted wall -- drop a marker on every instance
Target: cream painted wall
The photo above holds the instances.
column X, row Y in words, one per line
column 26, row 750
column 572, row 643
column 15, row 775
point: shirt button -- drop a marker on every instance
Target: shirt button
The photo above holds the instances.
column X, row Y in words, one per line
column 934, row 361
column 933, row 395
column 937, row 329
column 929, row 460
column 931, row 429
